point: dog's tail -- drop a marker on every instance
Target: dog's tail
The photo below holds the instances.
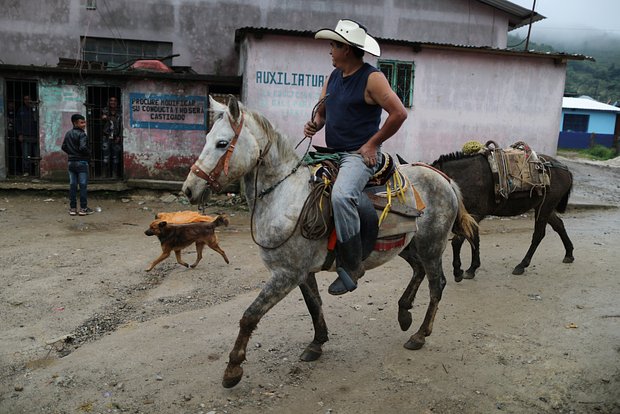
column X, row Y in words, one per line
column 220, row 220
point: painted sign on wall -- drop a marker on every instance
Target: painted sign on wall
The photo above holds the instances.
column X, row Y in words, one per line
column 291, row 93
column 167, row 111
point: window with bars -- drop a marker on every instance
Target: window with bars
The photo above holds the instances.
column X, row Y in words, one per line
column 400, row 75
column 119, row 51
column 576, row 122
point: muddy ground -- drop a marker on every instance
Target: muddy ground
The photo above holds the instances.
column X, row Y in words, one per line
column 84, row 329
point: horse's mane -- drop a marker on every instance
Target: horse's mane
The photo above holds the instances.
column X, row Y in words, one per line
column 279, row 143
column 453, row 156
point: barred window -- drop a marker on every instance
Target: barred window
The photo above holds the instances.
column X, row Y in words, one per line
column 400, row 75
column 576, row 122
column 118, row 51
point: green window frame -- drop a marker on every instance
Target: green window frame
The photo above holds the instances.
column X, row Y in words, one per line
column 400, row 75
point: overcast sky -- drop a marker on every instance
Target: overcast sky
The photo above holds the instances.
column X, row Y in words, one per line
column 581, row 16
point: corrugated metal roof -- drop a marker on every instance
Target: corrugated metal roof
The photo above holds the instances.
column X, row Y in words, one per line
column 587, row 104
column 224, row 81
column 518, row 16
column 418, row 46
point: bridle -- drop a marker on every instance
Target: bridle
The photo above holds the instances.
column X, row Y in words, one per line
column 222, row 163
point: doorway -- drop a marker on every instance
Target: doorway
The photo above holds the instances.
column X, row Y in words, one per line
column 22, row 128
column 104, row 125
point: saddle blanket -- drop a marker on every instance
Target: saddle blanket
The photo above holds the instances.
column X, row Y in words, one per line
column 183, row 217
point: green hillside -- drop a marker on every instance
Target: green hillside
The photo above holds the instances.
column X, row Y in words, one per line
column 600, row 79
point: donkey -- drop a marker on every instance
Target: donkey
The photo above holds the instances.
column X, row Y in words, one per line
column 474, row 176
column 243, row 145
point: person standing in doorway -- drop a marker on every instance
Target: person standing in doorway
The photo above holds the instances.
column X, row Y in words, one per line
column 112, row 144
column 26, row 127
column 357, row 93
column 76, row 146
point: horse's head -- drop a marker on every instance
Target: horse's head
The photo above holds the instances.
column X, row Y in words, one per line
column 230, row 152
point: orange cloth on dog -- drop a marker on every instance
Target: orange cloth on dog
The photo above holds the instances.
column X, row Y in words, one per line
column 181, row 217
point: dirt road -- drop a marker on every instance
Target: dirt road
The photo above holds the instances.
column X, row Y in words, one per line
column 84, row 329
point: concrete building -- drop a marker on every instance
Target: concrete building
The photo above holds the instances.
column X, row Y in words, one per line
column 447, row 59
column 586, row 122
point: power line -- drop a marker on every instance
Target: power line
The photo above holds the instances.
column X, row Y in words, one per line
column 117, row 36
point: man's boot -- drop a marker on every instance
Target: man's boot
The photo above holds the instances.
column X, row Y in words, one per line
column 349, row 266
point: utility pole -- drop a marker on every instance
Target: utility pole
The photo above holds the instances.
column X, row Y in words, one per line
column 529, row 29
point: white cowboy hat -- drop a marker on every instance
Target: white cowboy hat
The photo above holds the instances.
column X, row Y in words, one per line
column 351, row 33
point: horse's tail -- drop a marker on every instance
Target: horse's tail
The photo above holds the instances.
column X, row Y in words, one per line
column 464, row 225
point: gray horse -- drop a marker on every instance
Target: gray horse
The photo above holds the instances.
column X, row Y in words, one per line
column 244, row 145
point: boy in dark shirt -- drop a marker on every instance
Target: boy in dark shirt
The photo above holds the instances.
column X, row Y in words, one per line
column 76, row 146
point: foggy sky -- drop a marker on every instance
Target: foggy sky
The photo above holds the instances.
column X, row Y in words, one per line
column 579, row 18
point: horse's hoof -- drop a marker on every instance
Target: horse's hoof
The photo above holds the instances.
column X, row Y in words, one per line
column 458, row 276
column 311, row 353
column 518, row 270
column 568, row 259
column 232, row 376
column 469, row 275
column 415, row 342
column 404, row 319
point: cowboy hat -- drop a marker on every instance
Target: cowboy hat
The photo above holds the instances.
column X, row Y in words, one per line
column 351, row 33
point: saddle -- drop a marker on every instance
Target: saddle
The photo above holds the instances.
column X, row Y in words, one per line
column 517, row 170
column 387, row 210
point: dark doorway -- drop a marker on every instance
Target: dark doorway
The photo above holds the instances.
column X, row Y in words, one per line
column 22, row 128
column 105, row 131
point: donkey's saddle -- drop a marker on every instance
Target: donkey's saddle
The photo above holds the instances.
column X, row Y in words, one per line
column 517, row 170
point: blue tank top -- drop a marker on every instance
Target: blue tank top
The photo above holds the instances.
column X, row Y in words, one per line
column 350, row 121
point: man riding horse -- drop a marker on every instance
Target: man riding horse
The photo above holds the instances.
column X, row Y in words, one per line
column 356, row 94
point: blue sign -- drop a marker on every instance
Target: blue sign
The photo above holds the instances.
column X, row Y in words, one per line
column 167, row 111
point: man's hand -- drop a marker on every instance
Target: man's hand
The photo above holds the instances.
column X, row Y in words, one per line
column 310, row 129
column 368, row 151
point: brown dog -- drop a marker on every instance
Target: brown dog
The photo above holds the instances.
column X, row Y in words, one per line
column 179, row 236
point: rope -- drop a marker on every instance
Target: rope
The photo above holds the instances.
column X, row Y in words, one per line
column 316, row 214
column 394, row 186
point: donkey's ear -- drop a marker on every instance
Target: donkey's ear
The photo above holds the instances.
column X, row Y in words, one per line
column 233, row 107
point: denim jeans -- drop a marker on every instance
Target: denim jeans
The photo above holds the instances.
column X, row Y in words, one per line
column 111, row 150
column 352, row 178
column 78, row 174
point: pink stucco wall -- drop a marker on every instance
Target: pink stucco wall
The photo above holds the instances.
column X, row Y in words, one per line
column 283, row 78
column 458, row 96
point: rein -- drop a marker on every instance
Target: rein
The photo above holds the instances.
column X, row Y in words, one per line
column 266, row 191
column 270, row 189
column 223, row 162
column 294, row 170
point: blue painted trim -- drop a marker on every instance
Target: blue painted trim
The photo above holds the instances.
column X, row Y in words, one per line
column 581, row 140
